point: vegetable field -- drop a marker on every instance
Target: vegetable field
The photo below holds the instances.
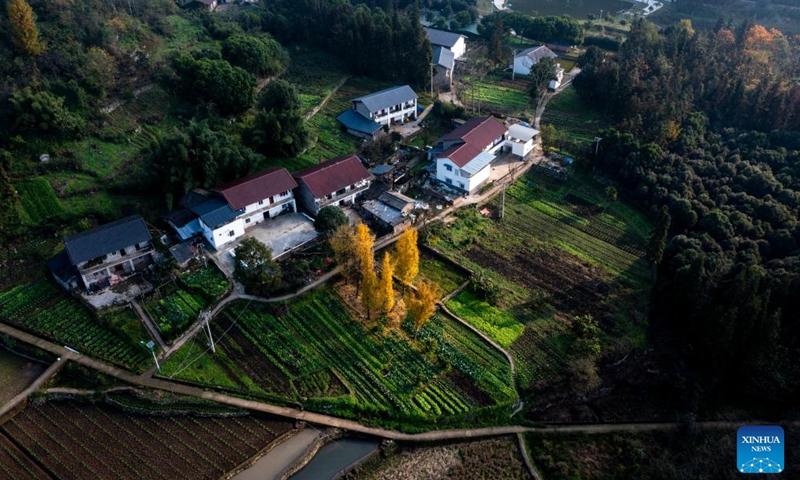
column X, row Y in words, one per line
column 38, row 200
column 497, row 95
column 312, row 351
column 44, row 309
column 559, row 252
column 74, row 441
column 176, row 306
column 570, row 115
column 440, row 272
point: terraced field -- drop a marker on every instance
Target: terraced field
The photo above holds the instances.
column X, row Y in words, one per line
column 559, row 252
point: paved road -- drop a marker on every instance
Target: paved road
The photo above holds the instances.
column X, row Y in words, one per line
column 149, row 325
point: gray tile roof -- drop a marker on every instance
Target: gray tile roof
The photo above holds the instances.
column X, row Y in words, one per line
column 444, row 58
column 442, row 38
column 387, row 98
column 99, row 241
column 537, row 53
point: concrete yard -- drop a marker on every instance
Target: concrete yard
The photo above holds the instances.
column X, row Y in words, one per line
column 282, row 234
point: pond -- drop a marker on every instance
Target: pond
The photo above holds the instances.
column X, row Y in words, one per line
column 579, row 9
column 334, row 457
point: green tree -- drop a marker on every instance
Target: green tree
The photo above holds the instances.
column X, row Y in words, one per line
column 255, row 268
column 24, row 32
column 587, row 336
column 658, row 239
column 496, row 51
column 541, row 74
column 99, row 71
column 279, row 96
column 259, row 56
column 195, row 157
column 278, row 134
column 329, row 219
column 9, row 202
column 43, row 114
column 229, row 89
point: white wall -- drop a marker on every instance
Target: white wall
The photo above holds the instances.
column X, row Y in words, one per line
column 459, row 48
column 522, row 65
column 221, row 235
column 457, row 180
column 520, row 149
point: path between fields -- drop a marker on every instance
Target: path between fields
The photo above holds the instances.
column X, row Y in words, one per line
column 316, row 109
column 543, row 103
column 149, row 325
column 351, row 425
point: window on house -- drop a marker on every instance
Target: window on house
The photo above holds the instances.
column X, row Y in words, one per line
column 138, row 247
column 122, row 252
column 341, row 191
column 271, row 200
column 231, row 233
column 461, row 184
column 261, row 202
column 449, row 180
column 449, row 168
column 247, row 220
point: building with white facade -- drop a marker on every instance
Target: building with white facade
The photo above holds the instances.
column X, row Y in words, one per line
column 222, row 216
column 454, row 42
column 384, row 108
column 526, row 59
column 336, row 182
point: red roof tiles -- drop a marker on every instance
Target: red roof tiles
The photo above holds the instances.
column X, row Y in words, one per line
column 333, row 175
column 249, row 190
column 480, row 132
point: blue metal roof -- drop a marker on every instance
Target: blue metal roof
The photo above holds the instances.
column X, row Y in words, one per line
column 440, row 37
column 444, row 57
column 387, row 98
column 355, row 121
column 216, row 212
column 478, row 163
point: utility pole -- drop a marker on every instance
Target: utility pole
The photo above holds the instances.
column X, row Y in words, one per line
column 513, row 59
column 597, row 145
column 151, row 346
column 503, row 203
column 431, row 81
column 205, row 316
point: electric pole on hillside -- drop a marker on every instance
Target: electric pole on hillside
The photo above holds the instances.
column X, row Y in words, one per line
column 205, row 316
column 503, row 203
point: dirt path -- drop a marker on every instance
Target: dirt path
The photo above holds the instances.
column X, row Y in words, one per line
column 316, row 109
column 149, row 325
column 526, row 459
column 285, row 455
column 45, row 376
column 350, row 425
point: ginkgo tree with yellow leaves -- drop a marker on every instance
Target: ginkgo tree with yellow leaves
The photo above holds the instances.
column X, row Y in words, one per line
column 24, row 32
column 407, row 254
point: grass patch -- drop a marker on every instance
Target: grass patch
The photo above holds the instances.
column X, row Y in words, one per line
column 574, row 118
column 447, row 276
column 499, row 96
column 313, row 83
column 38, row 200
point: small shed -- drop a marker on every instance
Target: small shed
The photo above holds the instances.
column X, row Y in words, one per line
column 182, row 253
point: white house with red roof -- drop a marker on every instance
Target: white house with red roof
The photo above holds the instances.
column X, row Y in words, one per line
column 464, row 156
column 335, row 182
column 224, row 215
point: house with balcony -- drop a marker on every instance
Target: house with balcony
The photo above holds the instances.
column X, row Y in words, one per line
column 223, row 215
column 337, row 182
column 464, row 156
column 384, row 108
column 105, row 255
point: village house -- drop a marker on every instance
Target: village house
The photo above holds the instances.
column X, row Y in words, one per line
column 336, row 182
column 105, row 255
column 526, row 59
column 391, row 210
column 451, row 41
column 209, row 5
column 370, row 113
column 443, row 66
column 223, row 215
column 464, row 156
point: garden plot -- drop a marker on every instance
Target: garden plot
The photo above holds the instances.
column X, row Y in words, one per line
column 313, row 352
column 44, row 309
column 74, row 441
column 572, row 117
column 559, row 252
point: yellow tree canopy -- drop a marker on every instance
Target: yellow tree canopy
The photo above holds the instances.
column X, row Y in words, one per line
column 422, row 303
column 387, row 284
column 24, row 33
column 343, row 244
column 407, row 253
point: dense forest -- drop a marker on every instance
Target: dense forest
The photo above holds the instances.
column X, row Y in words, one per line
column 708, row 137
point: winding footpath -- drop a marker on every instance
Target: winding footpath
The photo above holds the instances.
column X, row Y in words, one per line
column 326, row 420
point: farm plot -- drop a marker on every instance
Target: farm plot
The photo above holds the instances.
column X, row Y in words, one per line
column 16, row 465
column 557, row 254
column 313, row 83
column 73, row 440
column 571, row 116
column 43, row 309
column 440, row 272
column 504, row 97
column 16, row 373
column 38, row 200
column 176, row 306
column 313, row 347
